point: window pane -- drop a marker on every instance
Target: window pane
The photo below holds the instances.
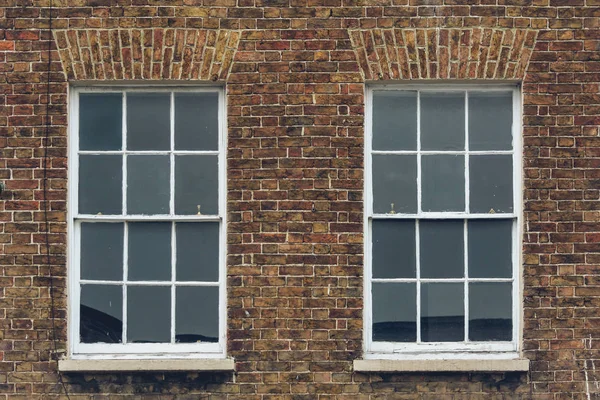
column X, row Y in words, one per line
column 148, row 184
column 442, row 121
column 443, row 183
column 394, row 249
column 101, row 314
column 148, row 314
column 394, row 312
column 100, row 121
column 196, row 121
column 100, row 184
column 394, row 184
column 197, row 251
column 490, row 121
column 394, row 120
column 442, row 312
column 149, row 249
column 442, row 248
column 102, row 251
column 490, row 311
column 196, row 184
column 490, row 248
column 491, row 183
column 197, row 314
column 148, row 121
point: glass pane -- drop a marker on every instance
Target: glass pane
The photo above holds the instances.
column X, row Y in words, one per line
column 442, row 248
column 148, row 314
column 102, row 251
column 490, row 311
column 490, row 248
column 100, row 121
column 196, row 185
column 148, row 121
column 442, row 312
column 197, row 121
column 100, row 184
column 148, row 184
column 197, row 251
column 442, row 121
column 101, row 314
column 491, row 183
column 443, row 183
column 490, row 121
column 394, row 312
column 394, row 184
column 197, row 314
column 149, row 251
column 394, row 249
column 394, row 120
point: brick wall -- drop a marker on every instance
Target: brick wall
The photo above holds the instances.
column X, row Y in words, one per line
column 294, row 72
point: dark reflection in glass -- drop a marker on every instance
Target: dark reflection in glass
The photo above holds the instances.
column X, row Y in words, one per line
column 490, row 248
column 491, row 183
column 394, row 249
column 490, row 311
column 197, row 251
column 394, row 182
column 149, row 251
column 443, row 183
column 442, row 312
column 148, row 314
column 394, row 312
column 442, row 248
column 394, row 120
column 196, row 184
column 197, row 314
column 196, row 121
column 101, row 314
column 490, row 121
column 100, row 121
column 102, row 251
column 148, row 184
column 442, row 121
column 148, row 121
column 100, row 184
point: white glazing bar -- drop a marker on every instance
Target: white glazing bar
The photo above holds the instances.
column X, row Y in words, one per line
column 125, row 277
column 124, row 160
column 445, row 215
column 466, row 259
column 418, row 278
column 156, row 152
column 419, row 152
column 467, row 209
column 150, row 283
column 172, row 158
column 173, row 263
column 158, row 217
column 446, row 152
column 441, row 280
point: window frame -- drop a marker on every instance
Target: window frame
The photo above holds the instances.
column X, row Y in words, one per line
column 78, row 350
column 442, row 350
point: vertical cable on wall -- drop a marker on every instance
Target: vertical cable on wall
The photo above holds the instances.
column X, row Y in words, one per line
column 45, row 201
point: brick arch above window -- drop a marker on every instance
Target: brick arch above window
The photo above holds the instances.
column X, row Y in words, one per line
column 147, row 54
column 443, row 53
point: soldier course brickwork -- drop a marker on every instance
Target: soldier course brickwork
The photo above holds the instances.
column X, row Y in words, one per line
column 294, row 74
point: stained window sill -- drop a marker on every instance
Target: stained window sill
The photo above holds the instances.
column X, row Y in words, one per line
column 149, row 365
column 443, row 365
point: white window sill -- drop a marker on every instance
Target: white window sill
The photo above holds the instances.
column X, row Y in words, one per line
column 443, row 365
column 221, row 364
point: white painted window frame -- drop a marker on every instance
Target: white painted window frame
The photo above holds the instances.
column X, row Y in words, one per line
column 445, row 350
column 79, row 350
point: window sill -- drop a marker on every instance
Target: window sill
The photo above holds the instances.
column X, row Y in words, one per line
column 443, row 365
column 71, row 365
